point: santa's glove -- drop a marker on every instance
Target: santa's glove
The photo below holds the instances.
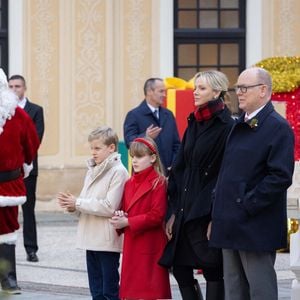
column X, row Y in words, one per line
column 27, row 169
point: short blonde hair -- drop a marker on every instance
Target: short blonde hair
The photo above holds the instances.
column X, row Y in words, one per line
column 217, row 80
column 106, row 135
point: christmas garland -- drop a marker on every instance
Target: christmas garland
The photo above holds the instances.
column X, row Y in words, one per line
column 285, row 72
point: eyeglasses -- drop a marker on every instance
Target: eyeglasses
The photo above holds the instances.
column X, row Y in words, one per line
column 244, row 88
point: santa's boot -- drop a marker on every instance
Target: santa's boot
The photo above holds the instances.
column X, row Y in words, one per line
column 8, row 276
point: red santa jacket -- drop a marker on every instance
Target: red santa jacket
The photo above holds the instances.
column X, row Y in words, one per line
column 18, row 144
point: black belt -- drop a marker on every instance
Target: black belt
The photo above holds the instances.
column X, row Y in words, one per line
column 9, row 175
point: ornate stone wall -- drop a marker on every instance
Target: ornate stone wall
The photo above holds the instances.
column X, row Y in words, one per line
column 86, row 62
column 281, row 33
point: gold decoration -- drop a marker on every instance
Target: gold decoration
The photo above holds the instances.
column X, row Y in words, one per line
column 285, row 72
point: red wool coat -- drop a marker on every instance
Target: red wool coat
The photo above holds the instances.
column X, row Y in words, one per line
column 18, row 144
column 144, row 239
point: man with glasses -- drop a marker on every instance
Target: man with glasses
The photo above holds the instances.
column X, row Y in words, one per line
column 249, row 219
column 17, row 84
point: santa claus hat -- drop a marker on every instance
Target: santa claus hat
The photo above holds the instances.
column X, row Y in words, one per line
column 8, row 101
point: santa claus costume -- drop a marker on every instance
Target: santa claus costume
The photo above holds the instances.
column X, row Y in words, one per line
column 18, row 145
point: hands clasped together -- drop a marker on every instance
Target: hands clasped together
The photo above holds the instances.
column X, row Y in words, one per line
column 119, row 220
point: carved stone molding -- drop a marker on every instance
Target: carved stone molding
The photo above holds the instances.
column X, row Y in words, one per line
column 138, row 36
column 89, row 68
column 43, row 48
column 288, row 22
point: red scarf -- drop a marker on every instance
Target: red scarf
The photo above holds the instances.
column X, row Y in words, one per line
column 209, row 109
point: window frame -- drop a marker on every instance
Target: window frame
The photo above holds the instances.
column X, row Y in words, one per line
column 4, row 36
column 211, row 35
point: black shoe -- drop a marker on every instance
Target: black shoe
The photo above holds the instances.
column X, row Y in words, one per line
column 32, row 257
column 12, row 290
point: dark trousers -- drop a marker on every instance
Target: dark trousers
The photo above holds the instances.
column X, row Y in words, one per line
column 103, row 274
column 29, row 223
column 184, row 275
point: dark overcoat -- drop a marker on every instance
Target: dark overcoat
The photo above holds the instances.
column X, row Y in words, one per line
column 192, row 180
column 36, row 114
column 140, row 118
column 249, row 210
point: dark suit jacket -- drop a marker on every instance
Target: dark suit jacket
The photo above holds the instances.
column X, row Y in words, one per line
column 249, row 210
column 37, row 115
column 141, row 117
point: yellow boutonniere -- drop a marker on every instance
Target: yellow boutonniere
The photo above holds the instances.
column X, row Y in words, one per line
column 253, row 123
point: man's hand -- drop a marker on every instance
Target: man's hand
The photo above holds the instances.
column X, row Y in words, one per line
column 153, row 131
column 208, row 231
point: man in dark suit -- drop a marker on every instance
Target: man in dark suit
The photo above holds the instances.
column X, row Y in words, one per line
column 153, row 120
column 17, row 83
column 249, row 219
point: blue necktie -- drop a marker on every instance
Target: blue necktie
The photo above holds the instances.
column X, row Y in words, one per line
column 156, row 114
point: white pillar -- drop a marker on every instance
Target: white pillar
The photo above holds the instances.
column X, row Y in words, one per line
column 166, row 42
column 16, row 42
column 254, row 32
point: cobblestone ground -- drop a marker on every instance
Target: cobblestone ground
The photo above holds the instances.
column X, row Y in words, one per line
column 61, row 273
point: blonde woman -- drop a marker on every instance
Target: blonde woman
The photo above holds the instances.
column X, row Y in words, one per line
column 192, row 180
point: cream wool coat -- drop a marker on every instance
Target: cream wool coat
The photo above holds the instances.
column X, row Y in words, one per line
column 100, row 197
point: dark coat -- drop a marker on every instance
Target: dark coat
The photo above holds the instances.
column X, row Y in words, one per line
column 37, row 116
column 140, row 118
column 193, row 177
column 250, row 199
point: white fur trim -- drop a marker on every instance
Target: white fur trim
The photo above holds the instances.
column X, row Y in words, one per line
column 8, row 104
column 9, row 238
column 12, row 200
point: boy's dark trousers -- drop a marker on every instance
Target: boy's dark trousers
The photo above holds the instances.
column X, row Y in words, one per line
column 103, row 274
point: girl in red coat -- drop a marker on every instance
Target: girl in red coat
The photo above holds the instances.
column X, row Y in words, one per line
column 142, row 221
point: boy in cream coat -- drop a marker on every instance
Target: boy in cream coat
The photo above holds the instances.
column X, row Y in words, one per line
column 100, row 197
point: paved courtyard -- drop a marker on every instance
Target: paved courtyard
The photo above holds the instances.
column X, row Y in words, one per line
column 61, row 273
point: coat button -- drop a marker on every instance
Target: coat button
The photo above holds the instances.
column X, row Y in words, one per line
column 238, row 200
column 205, row 173
column 185, row 189
column 181, row 209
